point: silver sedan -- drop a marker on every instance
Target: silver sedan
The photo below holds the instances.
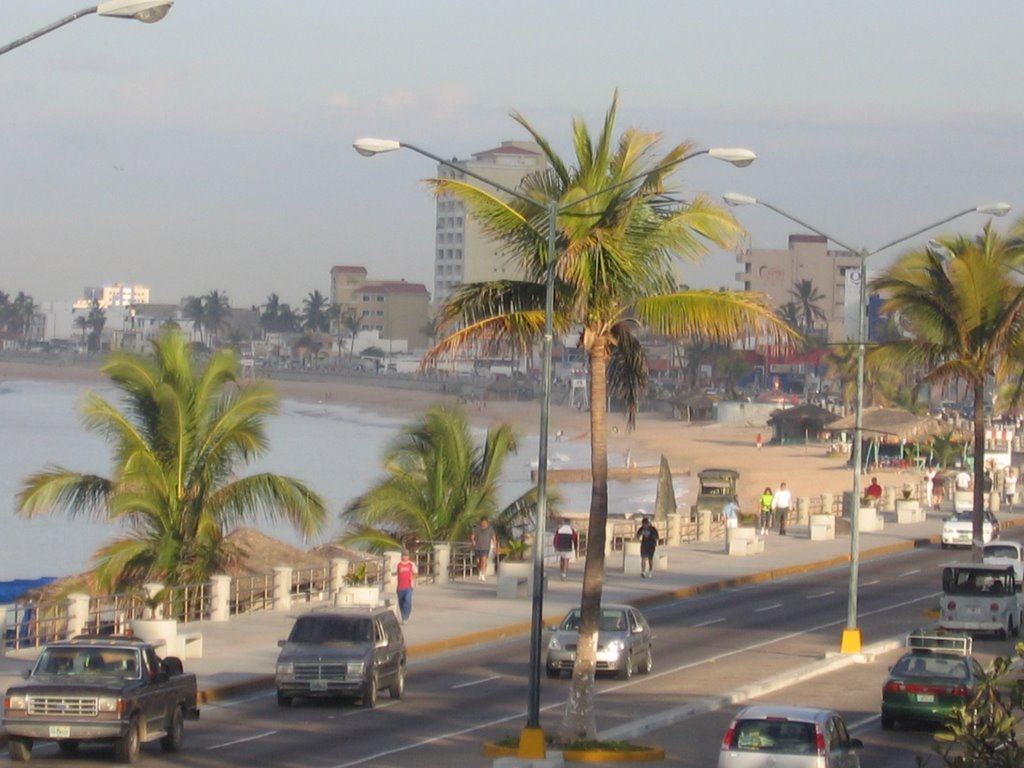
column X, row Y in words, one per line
column 624, row 642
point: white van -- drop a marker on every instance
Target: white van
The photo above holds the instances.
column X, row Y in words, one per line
column 980, row 597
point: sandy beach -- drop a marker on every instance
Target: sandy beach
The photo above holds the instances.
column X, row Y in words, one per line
column 689, row 448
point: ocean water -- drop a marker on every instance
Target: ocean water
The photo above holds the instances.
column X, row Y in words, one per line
column 333, row 447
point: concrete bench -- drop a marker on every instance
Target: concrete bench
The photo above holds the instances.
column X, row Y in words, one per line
column 822, row 527
column 163, row 634
column 909, row 511
column 511, row 587
column 743, row 541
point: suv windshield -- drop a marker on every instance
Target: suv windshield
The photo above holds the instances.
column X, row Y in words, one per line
column 331, row 629
column 786, row 736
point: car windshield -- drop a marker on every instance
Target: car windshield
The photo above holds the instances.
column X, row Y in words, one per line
column 612, row 620
column 779, row 736
column 332, row 629
column 121, row 662
column 1001, row 550
column 931, row 665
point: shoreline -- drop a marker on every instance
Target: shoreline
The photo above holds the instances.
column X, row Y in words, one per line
column 688, row 447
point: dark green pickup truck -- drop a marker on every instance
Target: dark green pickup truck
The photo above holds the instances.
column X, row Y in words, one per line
column 100, row 689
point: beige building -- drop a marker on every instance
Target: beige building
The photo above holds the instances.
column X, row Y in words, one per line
column 115, row 295
column 835, row 274
column 394, row 308
column 462, row 253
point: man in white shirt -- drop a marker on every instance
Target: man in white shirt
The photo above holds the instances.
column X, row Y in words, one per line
column 963, row 480
column 781, row 502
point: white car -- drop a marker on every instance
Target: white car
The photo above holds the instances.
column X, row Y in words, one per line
column 958, row 529
column 788, row 737
column 1007, row 553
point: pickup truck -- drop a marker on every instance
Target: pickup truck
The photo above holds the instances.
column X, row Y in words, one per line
column 100, row 689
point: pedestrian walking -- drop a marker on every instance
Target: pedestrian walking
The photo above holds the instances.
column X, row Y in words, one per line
column 938, row 491
column 1010, row 486
column 484, row 541
column 731, row 513
column 759, row 441
column 405, row 580
column 648, row 536
column 566, row 544
column 781, row 502
column 767, row 513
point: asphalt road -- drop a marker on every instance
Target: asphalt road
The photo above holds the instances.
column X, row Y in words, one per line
column 709, row 649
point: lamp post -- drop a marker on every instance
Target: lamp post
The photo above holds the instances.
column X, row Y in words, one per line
column 146, row 11
column 531, row 743
column 851, row 639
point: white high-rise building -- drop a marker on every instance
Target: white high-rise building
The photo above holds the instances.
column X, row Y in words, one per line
column 462, row 252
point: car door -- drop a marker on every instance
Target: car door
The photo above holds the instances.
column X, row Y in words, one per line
column 840, row 754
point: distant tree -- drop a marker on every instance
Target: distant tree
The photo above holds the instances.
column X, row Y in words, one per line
column 82, row 324
column 352, row 325
column 807, row 297
column 316, row 316
column 96, row 321
column 216, row 311
column 179, row 439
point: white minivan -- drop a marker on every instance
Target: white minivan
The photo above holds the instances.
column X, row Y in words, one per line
column 980, row 597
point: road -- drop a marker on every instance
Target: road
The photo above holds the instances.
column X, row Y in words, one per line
column 709, row 649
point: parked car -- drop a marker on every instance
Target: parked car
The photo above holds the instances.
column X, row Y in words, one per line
column 788, row 737
column 958, row 529
column 936, row 674
column 342, row 653
column 624, row 642
column 114, row 690
column 1007, row 553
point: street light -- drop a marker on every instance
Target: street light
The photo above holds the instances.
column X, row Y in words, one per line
column 851, row 640
column 146, row 11
column 531, row 742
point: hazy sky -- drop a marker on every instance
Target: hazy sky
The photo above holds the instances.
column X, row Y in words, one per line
column 213, row 150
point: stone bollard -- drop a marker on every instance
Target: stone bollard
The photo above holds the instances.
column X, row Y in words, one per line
column 220, row 597
column 888, row 499
column 703, row 525
column 827, row 499
column 442, row 561
column 339, row 570
column 803, row 510
column 391, row 560
column 993, row 501
column 78, row 614
column 282, row 588
column 675, row 529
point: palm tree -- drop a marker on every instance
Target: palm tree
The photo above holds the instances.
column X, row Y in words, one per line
column 216, row 311
column 195, row 312
column 315, row 317
column 616, row 243
column 963, row 319
column 353, row 325
column 96, row 321
column 806, row 297
column 439, row 484
column 178, row 444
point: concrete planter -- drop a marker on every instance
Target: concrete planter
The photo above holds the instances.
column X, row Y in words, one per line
column 822, row 527
column 909, row 511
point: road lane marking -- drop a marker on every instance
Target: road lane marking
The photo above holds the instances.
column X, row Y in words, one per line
column 709, row 623
column 821, row 595
column 476, row 682
column 909, row 573
column 771, row 607
column 243, row 741
column 870, row 583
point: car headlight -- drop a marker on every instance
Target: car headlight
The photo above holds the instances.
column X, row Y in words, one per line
column 108, row 704
column 554, row 644
column 615, row 646
column 356, row 667
column 17, row 701
column 285, row 668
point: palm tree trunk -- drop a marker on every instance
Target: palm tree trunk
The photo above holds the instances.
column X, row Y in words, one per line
column 978, row 513
column 580, row 718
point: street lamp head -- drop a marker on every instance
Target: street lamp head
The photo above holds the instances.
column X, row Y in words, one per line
column 940, row 251
column 146, row 11
column 738, row 156
column 994, row 209
column 735, row 198
column 371, row 147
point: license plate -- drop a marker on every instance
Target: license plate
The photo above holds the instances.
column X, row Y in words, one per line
column 926, row 698
column 60, row 731
column 318, row 685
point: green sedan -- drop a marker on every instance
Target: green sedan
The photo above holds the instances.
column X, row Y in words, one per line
column 926, row 684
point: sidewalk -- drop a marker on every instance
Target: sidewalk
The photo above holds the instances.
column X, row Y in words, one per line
column 239, row 655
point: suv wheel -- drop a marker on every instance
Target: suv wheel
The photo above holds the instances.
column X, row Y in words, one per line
column 370, row 693
column 397, row 687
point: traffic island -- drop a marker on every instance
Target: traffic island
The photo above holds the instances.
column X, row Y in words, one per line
column 577, row 752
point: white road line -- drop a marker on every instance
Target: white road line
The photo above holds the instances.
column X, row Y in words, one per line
column 821, row 595
column 242, row 741
column 476, row 682
column 768, row 608
column 870, row 583
column 709, row 623
column 909, row 573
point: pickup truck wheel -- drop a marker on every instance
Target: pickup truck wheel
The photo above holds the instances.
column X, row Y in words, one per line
column 126, row 749
column 175, row 732
column 397, row 688
column 283, row 700
column 68, row 746
column 19, row 748
column 370, row 693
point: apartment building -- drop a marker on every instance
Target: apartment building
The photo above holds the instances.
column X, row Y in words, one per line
column 395, row 308
column 835, row 273
column 462, row 252
column 114, row 295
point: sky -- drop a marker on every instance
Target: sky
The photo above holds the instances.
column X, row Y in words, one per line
column 212, row 150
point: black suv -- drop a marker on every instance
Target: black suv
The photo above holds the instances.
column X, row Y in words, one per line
column 350, row 653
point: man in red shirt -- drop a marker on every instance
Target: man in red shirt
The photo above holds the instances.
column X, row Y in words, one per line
column 405, row 573
column 874, row 491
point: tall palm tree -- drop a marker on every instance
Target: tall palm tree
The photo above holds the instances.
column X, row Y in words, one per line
column 216, row 311
column 195, row 312
column 613, row 273
column 315, row 316
column 178, row 444
column 963, row 319
column 96, row 321
column 439, row 484
column 806, row 297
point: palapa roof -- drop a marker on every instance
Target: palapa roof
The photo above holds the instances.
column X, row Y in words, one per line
column 260, row 554
column 803, row 414
column 895, row 422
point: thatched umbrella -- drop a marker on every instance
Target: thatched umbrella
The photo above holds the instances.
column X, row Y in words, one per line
column 800, row 422
column 895, row 424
